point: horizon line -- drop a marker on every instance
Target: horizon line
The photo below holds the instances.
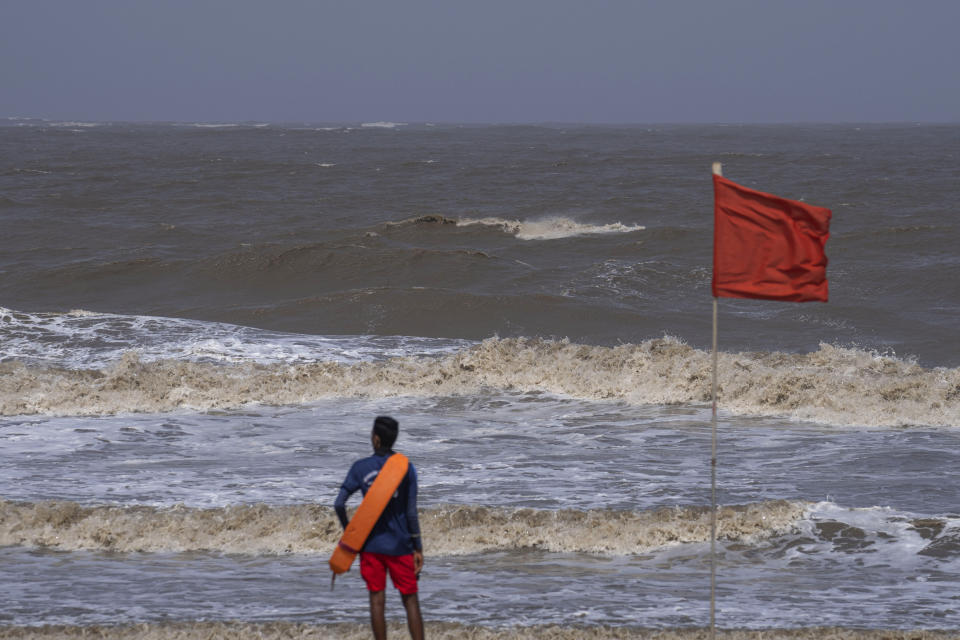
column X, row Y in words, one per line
column 403, row 123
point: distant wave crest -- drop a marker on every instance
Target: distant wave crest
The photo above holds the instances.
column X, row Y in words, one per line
column 383, row 125
column 550, row 228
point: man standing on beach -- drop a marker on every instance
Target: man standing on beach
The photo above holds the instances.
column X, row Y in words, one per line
column 394, row 544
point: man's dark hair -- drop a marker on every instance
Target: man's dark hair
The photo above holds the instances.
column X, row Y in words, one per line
column 386, row 428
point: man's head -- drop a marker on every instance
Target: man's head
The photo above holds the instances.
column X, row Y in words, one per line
column 385, row 430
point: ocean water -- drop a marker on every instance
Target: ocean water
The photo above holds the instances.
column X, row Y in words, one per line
column 199, row 322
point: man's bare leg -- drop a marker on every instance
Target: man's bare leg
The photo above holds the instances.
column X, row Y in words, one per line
column 414, row 621
column 378, row 619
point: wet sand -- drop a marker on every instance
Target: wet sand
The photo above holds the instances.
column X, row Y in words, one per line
column 288, row 630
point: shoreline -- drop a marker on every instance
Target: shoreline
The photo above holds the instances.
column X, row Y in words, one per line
column 347, row 631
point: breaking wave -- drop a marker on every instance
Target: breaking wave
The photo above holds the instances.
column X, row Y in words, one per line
column 833, row 385
column 447, row 530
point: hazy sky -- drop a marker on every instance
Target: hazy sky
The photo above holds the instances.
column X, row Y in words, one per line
column 481, row 61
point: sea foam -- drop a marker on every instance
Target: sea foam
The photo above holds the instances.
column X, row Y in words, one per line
column 90, row 340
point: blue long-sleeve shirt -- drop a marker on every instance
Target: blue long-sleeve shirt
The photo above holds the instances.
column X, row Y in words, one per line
column 397, row 531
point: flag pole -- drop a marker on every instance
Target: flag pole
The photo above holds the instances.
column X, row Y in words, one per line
column 717, row 170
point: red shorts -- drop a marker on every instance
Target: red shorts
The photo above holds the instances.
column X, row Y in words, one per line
column 374, row 567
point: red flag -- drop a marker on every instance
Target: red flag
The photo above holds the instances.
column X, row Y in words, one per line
column 767, row 247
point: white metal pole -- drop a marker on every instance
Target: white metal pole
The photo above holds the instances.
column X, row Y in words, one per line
column 717, row 170
column 713, row 488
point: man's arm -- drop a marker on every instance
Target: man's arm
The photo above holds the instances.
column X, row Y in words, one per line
column 349, row 486
column 413, row 522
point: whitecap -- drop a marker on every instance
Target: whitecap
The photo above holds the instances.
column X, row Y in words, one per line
column 551, row 228
column 76, row 124
column 383, row 125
